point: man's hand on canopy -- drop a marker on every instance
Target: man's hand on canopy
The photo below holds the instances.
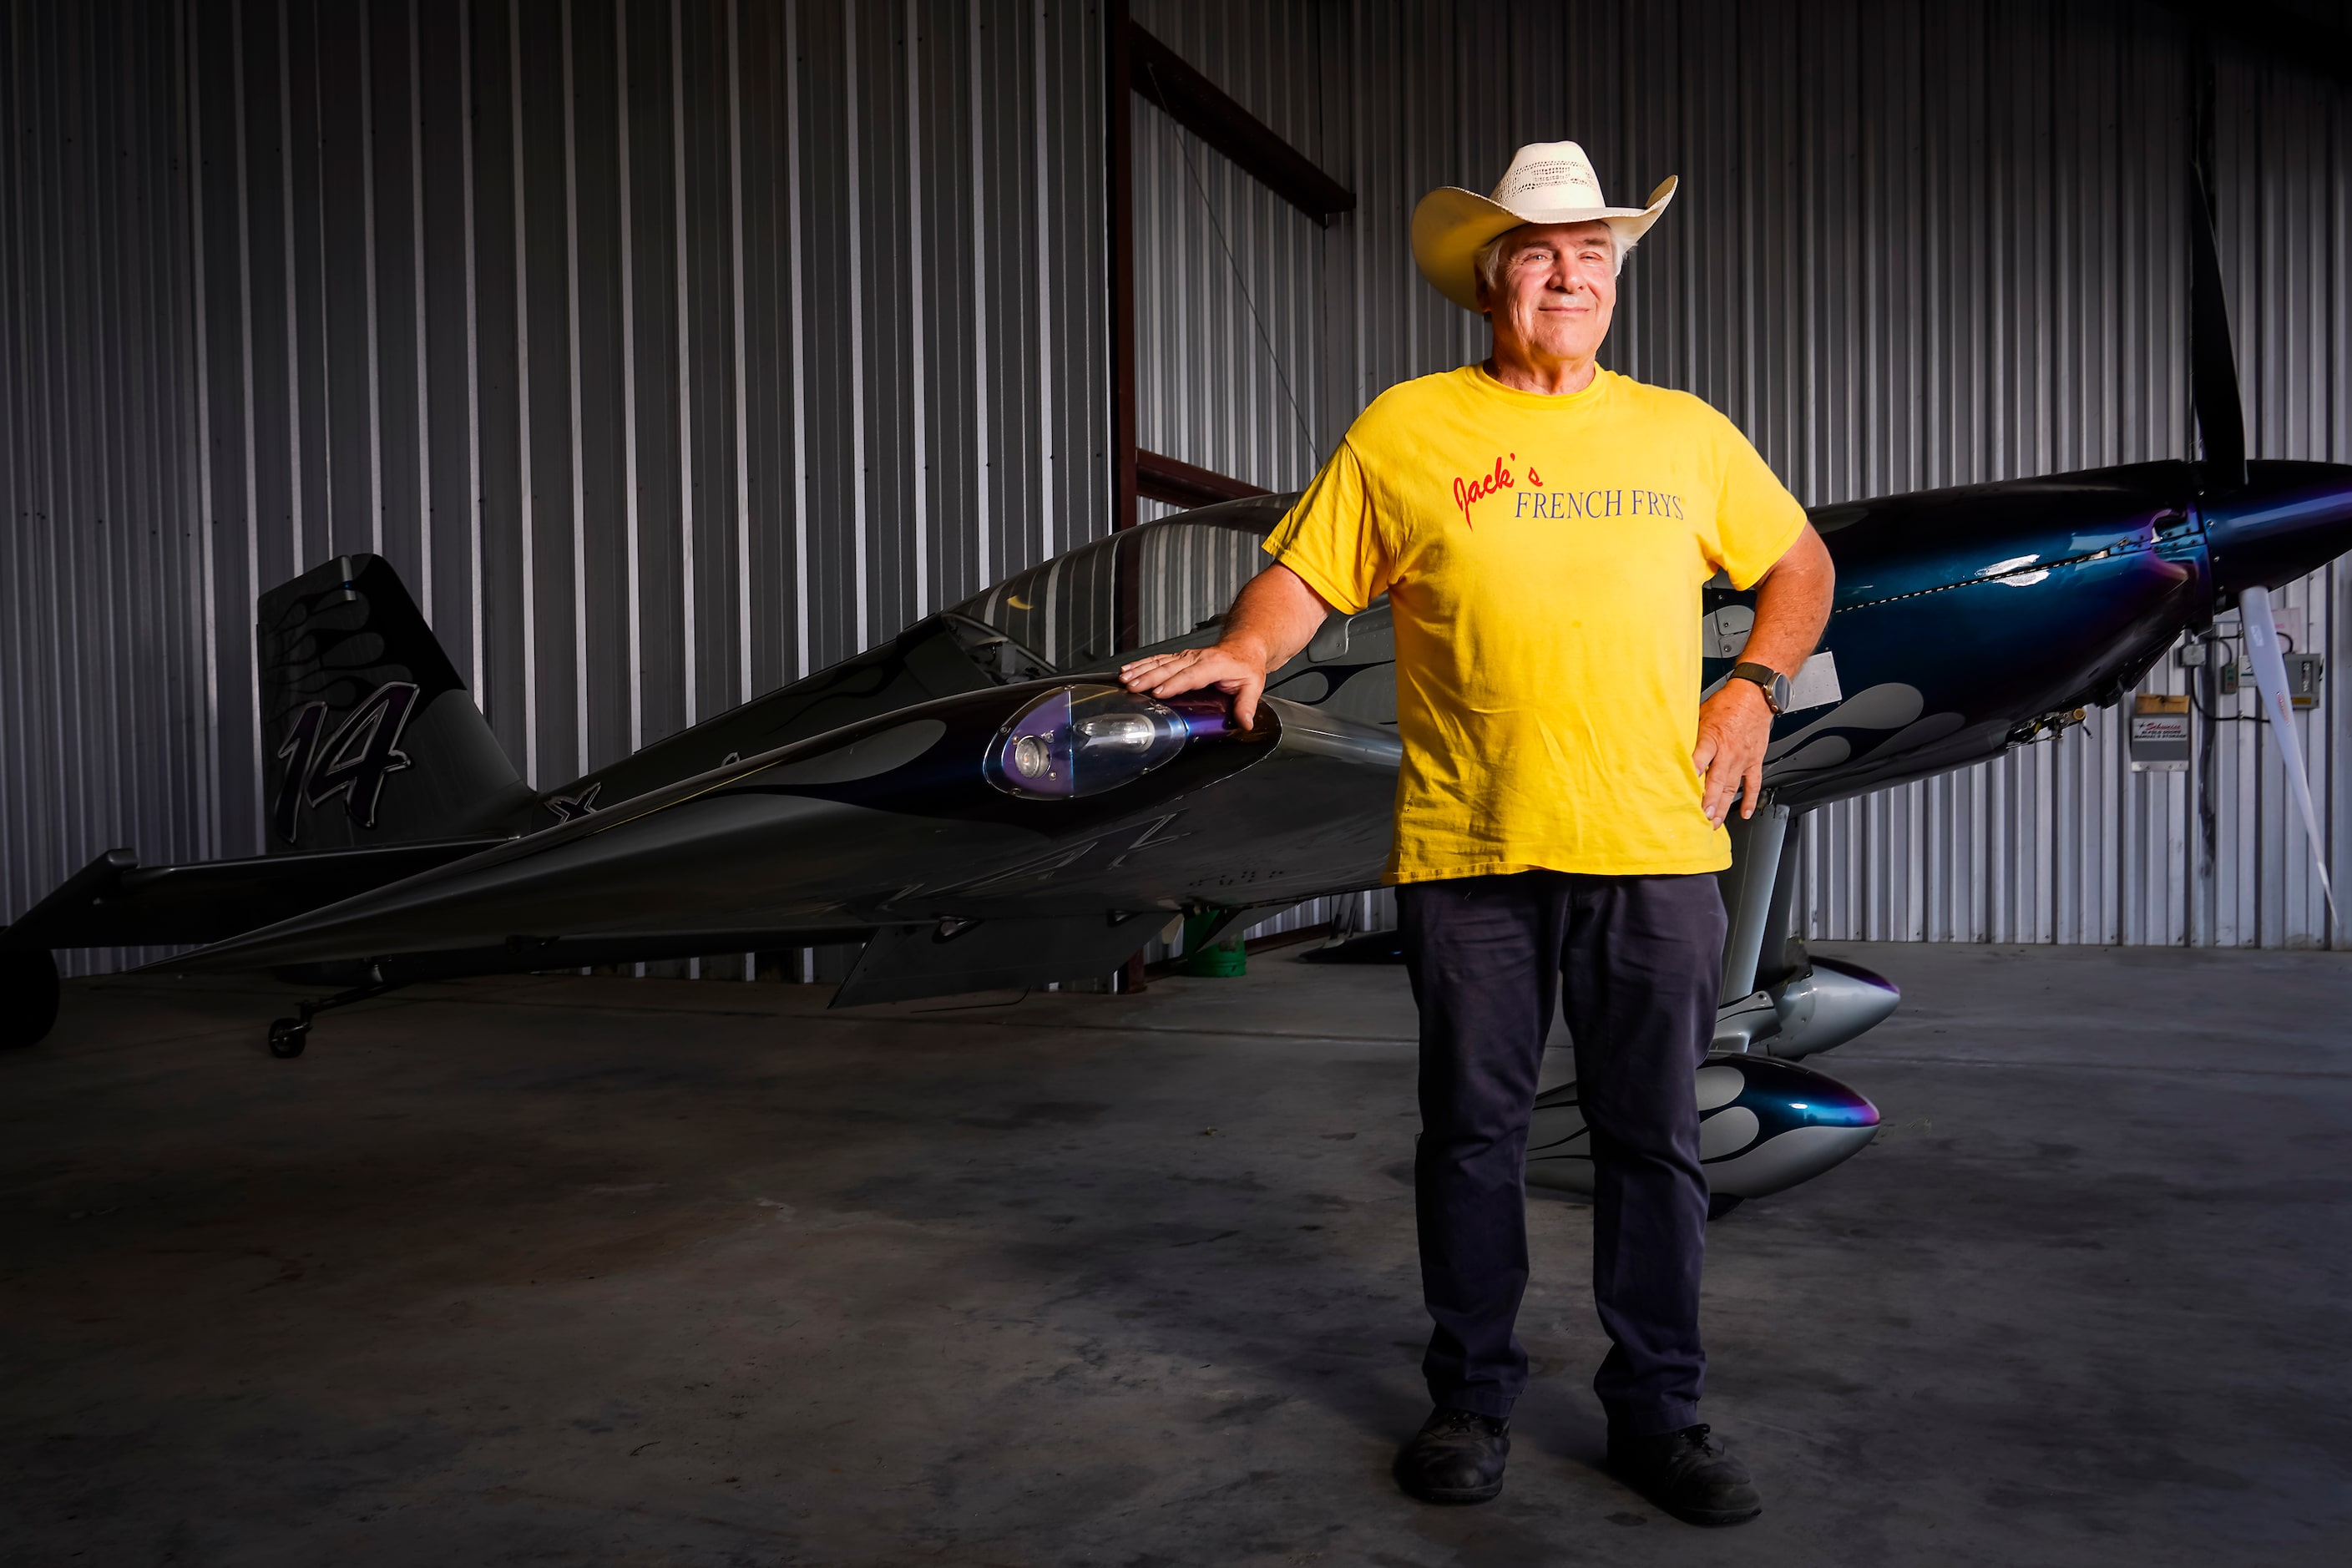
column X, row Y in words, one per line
column 1195, row 668
column 1273, row 617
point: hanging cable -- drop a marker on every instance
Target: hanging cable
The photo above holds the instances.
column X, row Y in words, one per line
column 1305, row 432
column 2211, row 711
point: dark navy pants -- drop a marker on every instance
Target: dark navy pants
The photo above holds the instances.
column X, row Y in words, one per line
column 1635, row 962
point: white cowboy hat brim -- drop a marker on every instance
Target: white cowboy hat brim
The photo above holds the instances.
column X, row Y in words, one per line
column 1450, row 224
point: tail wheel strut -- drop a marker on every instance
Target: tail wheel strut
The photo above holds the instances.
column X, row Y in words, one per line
column 289, row 1035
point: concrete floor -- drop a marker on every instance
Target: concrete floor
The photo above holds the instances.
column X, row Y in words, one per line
column 601, row 1271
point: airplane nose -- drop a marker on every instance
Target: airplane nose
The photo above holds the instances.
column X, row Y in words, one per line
column 2290, row 519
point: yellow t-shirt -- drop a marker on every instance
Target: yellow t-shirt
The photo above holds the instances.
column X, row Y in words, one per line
column 1543, row 557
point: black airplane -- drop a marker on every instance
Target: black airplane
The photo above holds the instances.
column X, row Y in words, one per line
column 981, row 805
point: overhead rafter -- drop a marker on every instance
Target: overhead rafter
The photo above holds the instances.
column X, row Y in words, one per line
column 1184, row 484
column 1164, row 78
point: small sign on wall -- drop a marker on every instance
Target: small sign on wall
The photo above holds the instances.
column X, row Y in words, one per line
column 2159, row 733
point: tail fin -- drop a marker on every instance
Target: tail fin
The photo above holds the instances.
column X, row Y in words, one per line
column 368, row 736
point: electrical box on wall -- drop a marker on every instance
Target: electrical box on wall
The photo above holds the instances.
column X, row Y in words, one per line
column 2218, row 648
column 2159, row 733
column 2304, row 673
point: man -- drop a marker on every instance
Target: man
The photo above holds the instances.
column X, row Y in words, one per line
column 1543, row 528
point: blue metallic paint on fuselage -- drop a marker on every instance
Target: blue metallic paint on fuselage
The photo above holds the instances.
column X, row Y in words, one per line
column 2001, row 606
column 2289, row 519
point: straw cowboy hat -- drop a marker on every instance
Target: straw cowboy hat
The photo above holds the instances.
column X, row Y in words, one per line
column 1548, row 182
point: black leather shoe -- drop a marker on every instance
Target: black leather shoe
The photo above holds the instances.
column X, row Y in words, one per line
column 1689, row 1473
column 1456, row 1456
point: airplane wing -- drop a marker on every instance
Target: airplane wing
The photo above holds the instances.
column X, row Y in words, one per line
column 917, row 824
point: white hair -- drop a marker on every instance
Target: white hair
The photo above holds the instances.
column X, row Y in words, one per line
column 1488, row 262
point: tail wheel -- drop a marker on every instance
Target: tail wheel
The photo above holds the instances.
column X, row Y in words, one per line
column 28, row 995
column 288, row 1037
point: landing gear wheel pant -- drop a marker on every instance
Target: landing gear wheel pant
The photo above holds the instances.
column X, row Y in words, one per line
column 1634, row 963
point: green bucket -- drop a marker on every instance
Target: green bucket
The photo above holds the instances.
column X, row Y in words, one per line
column 1222, row 962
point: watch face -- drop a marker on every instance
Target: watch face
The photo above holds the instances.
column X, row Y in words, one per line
column 1780, row 694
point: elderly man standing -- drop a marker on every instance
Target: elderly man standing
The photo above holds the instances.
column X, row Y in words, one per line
column 1542, row 528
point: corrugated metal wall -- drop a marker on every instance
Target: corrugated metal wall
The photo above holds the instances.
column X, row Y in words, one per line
column 110, row 686
column 671, row 348
column 1916, row 245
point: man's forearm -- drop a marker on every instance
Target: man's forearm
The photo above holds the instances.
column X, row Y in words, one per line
column 1274, row 615
column 1735, row 725
column 1793, row 605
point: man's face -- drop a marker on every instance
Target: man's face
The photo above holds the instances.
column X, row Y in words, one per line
column 1557, row 286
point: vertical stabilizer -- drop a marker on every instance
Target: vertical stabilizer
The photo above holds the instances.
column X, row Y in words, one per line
column 367, row 734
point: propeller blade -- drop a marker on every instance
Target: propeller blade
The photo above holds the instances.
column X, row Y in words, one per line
column 2212, row 366
column 2269, row 679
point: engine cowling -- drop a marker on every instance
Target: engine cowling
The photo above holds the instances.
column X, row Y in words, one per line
column 1826, row 1004
column 1765, row 1125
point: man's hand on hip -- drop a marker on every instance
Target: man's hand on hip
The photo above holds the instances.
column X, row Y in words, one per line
column 1734, row 727
column 1274, row 615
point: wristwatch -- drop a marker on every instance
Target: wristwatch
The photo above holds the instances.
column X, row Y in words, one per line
column 1775, row 684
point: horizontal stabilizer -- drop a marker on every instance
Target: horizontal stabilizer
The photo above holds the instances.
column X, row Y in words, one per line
column 114, row 901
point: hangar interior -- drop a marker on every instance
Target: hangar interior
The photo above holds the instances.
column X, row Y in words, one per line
column 605, row 364
column 675, row 351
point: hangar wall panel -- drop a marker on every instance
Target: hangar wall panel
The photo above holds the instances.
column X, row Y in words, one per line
column 1916, row 244
column 108, row 691
column 670, row 349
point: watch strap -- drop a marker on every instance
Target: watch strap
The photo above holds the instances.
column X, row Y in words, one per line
column 1774, row 684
